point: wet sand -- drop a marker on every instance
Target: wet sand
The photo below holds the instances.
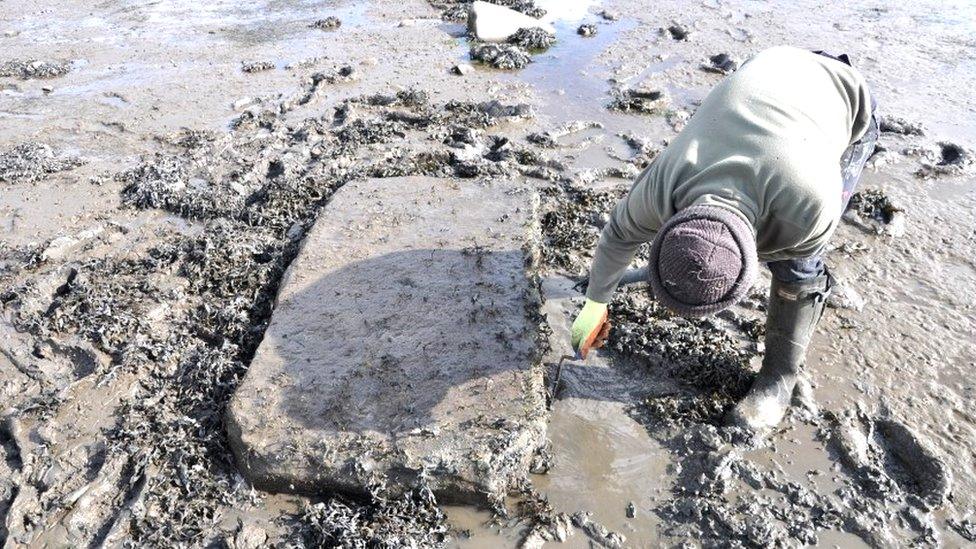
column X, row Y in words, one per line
column 892, row 381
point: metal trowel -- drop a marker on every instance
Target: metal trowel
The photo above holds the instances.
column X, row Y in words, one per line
column 598, row 337
column 595, row 340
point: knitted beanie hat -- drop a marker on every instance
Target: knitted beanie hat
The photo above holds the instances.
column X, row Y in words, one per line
column 703, row 260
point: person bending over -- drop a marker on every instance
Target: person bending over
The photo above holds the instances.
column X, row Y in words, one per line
column 761, row 173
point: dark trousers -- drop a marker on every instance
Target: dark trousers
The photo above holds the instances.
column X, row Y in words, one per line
column 851, row 165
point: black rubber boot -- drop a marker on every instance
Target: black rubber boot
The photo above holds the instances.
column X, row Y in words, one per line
column 793, row 313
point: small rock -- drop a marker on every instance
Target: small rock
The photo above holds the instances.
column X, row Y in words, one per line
column 62, row 246
column 946, row 159
column 408, row 23
column 549, row 138
column 295, row 232
column 843, row 296
column 646, row 101
column 493, row 23
column 497, row 109
column 532, row 39
column 586, row 29
column 535, row 539
column 33, row 68
column 555, row 527
column 895, row 124
column 678, row 119
column 501, row 56
column 329, row 23
column 257, row 66
column 541, row 461
column 610, row 15
column 462, row 69
column 678, row 31
column 881, row 157
column 47, row 89
column 249, row 536
column 896, row 227
column 597, row 532
column 99, row 180
column 243, row 103
column 31, row 161
column 721, row 63
column 873, row 211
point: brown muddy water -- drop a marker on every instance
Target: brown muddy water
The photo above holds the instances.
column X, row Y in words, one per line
column 165, row 283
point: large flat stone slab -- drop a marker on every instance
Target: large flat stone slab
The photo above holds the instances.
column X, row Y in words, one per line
column 494, row 23
column 403, row 342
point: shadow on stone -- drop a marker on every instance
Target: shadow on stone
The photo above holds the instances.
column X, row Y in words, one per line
column 402, row 350
column 383, row 359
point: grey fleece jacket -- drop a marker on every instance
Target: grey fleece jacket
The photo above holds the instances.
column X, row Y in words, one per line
column 766, row 144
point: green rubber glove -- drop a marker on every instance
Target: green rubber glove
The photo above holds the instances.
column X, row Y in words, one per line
column 590, row 329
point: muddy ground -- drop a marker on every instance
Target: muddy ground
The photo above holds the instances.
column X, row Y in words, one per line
column 161, row 162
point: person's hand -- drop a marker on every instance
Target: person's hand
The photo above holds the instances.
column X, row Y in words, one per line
column 590, row 329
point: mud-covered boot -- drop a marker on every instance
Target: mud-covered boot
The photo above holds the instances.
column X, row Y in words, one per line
column 793, row 313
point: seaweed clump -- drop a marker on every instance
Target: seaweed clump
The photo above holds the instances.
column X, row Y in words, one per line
column 711, row 363
column 31, row 161
column 33, row 68
column 184, row 310
column 384, row 523
column 572, row 223
column 873, row 204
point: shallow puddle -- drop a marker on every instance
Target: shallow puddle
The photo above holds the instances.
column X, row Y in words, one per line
column 604, row 462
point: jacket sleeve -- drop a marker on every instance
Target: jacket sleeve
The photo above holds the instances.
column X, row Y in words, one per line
column 631, row 224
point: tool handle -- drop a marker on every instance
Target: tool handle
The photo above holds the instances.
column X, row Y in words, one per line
column 595, row 339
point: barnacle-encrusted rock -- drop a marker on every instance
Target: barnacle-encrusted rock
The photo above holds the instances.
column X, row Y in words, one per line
column 256, row 66
column 501, row 56
column 402, row 346
column 532, row 38
column 33, row 68
column 329, row 23
column 899, row 125
column 586, row 29
column 31, row 161
column 874, row 211
column 640, row 100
